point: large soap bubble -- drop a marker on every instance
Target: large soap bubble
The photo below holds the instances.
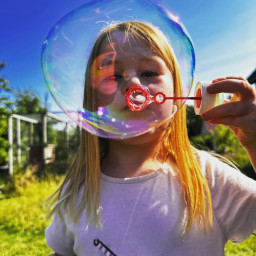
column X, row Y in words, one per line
column 90, row 81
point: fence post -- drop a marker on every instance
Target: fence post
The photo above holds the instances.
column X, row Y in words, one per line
column 18, row 140
column 31, row 134
column 44, row 126
column 10, row 142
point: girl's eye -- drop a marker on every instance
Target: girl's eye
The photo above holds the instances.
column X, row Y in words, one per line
column 107, row 61
column 149, row 74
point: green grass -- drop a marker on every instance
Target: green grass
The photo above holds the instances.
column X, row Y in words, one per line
column 22, row 224
column 22, row 221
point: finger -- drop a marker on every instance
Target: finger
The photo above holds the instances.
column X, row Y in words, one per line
column 218, row 79
column 236, row 77
column 232, row 109
column 240, row 87
column 228, row 77
column 228, row 121
column 233, row 129
column 237, row 123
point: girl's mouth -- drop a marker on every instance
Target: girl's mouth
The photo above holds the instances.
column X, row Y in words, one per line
column 138, row 98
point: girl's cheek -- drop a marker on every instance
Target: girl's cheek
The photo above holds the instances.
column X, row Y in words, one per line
column 118, row 101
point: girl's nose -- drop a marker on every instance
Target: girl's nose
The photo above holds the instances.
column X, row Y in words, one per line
column 130, row 79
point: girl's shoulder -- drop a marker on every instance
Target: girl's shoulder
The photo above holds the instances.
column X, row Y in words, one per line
column 233, row 196
column 222, row 173
column 214, row 164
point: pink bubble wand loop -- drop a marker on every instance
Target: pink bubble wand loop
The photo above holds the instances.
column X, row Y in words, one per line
column 138, row 98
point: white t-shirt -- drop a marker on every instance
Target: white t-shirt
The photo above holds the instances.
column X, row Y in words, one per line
column 143, row 216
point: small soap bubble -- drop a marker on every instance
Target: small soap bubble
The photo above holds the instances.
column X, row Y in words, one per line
column 88, row 64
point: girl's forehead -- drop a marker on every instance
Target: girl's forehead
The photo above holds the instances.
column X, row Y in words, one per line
column 126, row 44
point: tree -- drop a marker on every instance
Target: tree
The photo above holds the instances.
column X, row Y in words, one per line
column 5, row 109
column 28, row 102
column 3, row 140
column 194, row 122
column 24, row 103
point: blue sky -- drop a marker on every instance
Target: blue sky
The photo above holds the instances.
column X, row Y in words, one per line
column 223, row 33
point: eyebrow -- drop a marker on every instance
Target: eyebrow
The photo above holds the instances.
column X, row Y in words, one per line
column 152, row 58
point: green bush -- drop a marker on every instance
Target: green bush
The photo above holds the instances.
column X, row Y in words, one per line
column 3, row 137
column 222, row 141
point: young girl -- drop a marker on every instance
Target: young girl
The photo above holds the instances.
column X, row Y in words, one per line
column 153, row 194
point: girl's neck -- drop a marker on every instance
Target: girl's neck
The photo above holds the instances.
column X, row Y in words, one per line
column 126, row 159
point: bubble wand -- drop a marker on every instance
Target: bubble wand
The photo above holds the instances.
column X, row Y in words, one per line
column 143, row 98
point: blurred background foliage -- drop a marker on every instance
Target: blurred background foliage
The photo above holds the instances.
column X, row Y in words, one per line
column 27, row 103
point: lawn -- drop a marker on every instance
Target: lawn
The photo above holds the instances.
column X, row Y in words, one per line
column 22, row 224
column 23, row 221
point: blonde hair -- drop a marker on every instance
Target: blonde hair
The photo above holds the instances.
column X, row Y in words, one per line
column 84, row 175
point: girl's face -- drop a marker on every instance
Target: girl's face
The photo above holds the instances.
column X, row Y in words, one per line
column 125, row 61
